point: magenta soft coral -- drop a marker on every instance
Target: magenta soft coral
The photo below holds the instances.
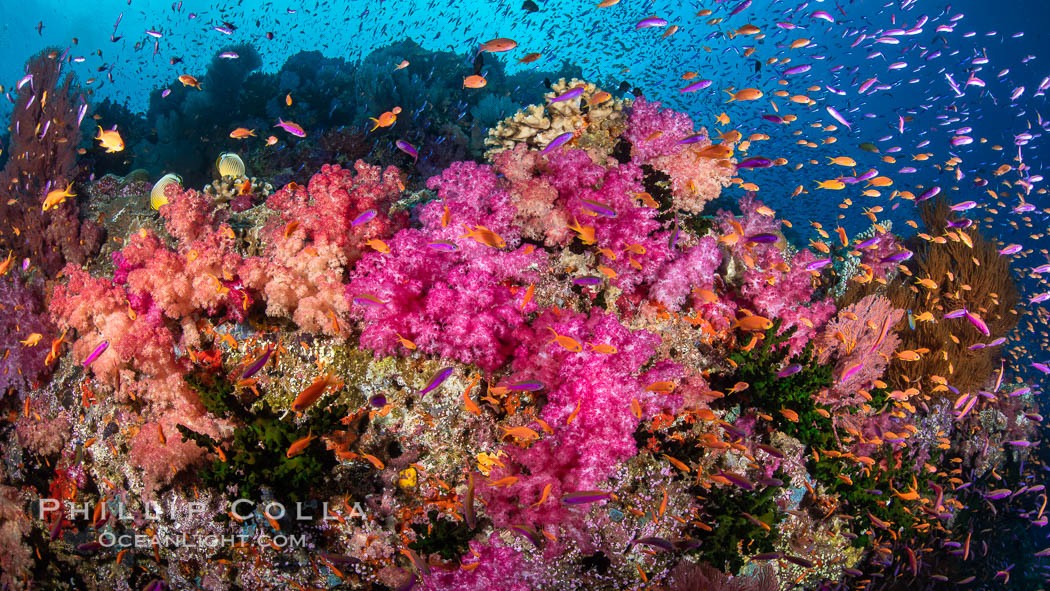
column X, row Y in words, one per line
column 497, row 567
column 454, row 303
column 579, row 455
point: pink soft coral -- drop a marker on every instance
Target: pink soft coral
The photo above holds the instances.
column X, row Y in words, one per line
column 320, row 231
column 693, row 269
column 655, row 134
column 16, row 557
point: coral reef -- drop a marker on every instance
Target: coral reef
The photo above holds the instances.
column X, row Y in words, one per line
column 552, row 369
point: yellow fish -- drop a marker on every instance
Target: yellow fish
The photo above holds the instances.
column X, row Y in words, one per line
column 110, row 139
column 56, row 197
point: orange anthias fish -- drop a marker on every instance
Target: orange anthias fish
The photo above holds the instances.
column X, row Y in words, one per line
column 401, row 66
column 110, row 139
column 241, row 133
column 484, row 236
column 315, row 390
column 188, row 80
column 497, row 45
column 474, row 81
column 586, row 233
column 746, row 94
column 5, row 266
column 386, row 119
column 754, row 323
column 529, row 58
column 567, row 343
column 299, row 446
column 56, row 197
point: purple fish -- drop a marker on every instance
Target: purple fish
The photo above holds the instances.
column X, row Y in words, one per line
column 928, row 193
column 977, row 322
column 850, row 371
column 956, row 313
column 695, row 86
column 818, row 264
column 407, row 148
column 738, row 480
column 443, row 245
column 838, row 117
column 527, row 385
column 363, row 217
column 368, row 300
column 568, row 95
column 229, row 55
column 101, row 348
column 900, row 256
column 789, row 370
column 586, row 496
column 529, row 532
column 823, row 15
column 961, row 140
column 755, row 162
column 767, row 556
column 588, row 280
column 1041, row 367
column 773, row 118
column 692, row 139
column 799, row 561
column 763, row 238
column 598, row 208
column 558, row 141
column 655, row 542
column 223, row 30
column 653, row 21
column 776, row 453
column 740, row 7
column 1041, row 298
column 378, row 401
column 164, row 93
column 797, row 70
column 438, row 379
column 257, row 364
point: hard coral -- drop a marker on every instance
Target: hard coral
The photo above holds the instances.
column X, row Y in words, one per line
column 595, row 123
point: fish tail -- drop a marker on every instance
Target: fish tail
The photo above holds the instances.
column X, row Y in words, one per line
column 377, row 124
column 732, row 97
